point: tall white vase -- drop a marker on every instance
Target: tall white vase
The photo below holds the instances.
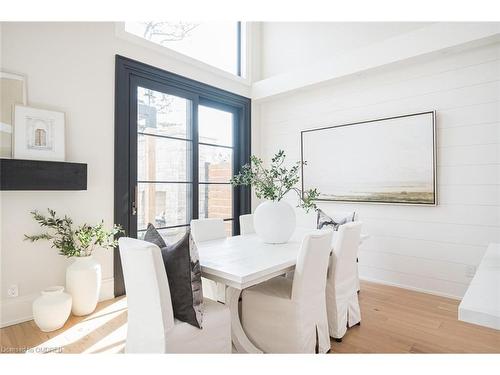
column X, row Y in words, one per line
column 274, row 222
column 52, row 308
column 83, row 282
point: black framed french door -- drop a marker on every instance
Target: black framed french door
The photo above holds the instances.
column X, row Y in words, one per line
column 164, row 160
column 177, row 143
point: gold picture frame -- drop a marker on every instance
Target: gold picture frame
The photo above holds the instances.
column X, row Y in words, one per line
column 12, row 92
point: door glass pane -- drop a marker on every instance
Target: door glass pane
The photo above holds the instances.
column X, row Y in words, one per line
column 215, row 126
column 215, row 164
column 165, row 163
column 216, row 201
column 170, row 235
column 163, row 114
column 163, row 205
column 162, row 159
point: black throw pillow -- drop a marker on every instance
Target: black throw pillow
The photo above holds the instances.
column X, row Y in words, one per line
column 183, row 269
column 323, row 220
column 153, row 236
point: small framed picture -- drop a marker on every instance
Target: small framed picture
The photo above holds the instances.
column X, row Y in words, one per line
column 38, row 134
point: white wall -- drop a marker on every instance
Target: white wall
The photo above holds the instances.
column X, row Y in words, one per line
column 286, row 46
column 427, row 248
column 423, row 43
column 70, row 68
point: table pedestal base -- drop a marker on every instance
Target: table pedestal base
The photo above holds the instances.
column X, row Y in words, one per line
column 240, row 340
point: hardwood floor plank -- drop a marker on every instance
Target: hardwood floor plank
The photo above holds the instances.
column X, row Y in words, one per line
column 424, row 323
column 394, row 320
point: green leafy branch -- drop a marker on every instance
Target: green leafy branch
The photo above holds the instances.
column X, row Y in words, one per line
column 70, row 241
column 275, row 182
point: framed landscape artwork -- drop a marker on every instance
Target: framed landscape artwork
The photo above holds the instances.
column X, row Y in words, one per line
column 389, row 160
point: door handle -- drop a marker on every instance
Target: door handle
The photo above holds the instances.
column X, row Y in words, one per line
column 134, row 202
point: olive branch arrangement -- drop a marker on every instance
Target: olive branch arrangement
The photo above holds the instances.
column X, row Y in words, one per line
column 73, row 242
column 275, row 182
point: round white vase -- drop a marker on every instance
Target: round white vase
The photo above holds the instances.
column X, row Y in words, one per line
column 83, row 282
column 52, row 308
column 274, row 222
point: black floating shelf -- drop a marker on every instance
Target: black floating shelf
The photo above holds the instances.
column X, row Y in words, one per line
column 18, row 174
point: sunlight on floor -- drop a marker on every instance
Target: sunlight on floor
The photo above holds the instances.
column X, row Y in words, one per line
column 104, row 331
column 112, row 343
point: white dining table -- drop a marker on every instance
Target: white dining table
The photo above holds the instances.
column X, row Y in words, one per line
column 240, row 262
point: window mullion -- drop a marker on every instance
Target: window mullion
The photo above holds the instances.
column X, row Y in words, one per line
column 235, row 168
column 195, row 156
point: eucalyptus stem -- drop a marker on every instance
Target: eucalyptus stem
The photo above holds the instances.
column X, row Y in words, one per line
column 70, row 241
column 276, row 181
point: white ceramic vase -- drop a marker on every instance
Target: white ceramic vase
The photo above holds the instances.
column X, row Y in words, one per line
column 52, row 308
column 83, row 282
column 274, row 222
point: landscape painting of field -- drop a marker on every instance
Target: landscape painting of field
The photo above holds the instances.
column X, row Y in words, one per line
column 389, row 160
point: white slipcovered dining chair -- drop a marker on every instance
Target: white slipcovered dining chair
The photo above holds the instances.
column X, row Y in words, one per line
column 342, row 284
column 208, row 230
column 151, row 324
column 339, row 216
column 289, row 316
column 308, row 220
column 246, row 224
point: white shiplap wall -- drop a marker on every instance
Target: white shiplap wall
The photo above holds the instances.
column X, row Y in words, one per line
column 425, row 248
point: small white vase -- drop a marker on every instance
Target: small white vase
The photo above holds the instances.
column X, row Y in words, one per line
column 274, row 222
column 83, row 282
column 52, row 308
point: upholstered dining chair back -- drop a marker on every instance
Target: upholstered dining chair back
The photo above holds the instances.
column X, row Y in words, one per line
column 343, row 283
column 246, row 224
column 150, row 313
column 344, row 266
column 207, row 229
column 339, row 216
column 309, row 278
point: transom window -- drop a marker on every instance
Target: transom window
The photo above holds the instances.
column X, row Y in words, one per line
column 216, row 43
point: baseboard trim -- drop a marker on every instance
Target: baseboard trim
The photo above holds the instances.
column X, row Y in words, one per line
column 19, row 310
column 409, row 287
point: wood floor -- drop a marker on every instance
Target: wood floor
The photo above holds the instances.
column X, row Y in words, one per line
column 394, row 320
